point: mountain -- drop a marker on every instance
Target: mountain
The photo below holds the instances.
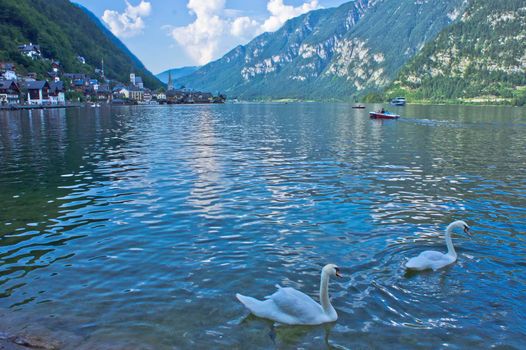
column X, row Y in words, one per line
column 481, row 57
column 338, row 53
column 176, row 73
column 64, row 31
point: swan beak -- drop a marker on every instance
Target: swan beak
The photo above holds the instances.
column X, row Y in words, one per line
column 466, row 230
column 338, row 274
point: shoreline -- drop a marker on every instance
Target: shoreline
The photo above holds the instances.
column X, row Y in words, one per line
column 29, row 107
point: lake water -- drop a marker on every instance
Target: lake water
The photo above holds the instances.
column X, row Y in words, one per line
column 134, row 227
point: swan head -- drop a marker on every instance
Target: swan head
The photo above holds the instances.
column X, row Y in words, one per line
column 332, row 270
column 459, row 224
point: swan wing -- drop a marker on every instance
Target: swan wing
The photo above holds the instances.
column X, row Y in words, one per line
column 286, row 305
column 296, row 304
column 429, row 260
column 432, row 255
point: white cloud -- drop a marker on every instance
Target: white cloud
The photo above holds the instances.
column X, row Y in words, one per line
column 130, row 22
column 216, row 29
column 280, row 13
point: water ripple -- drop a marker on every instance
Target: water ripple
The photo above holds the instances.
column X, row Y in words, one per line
column 137, row 225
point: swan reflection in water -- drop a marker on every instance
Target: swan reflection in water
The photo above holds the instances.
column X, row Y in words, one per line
column 291, row 336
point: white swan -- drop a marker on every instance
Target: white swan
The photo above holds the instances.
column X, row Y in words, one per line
column 436, row 260
column 292, row 307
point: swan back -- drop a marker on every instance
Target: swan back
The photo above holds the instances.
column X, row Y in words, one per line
column 430, row 260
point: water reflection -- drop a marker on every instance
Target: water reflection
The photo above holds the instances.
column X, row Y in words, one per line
column 138, row 225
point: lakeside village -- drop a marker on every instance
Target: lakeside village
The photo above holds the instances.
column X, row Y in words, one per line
column 63, row 89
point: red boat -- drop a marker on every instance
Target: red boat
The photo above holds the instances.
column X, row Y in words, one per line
column 383, row 115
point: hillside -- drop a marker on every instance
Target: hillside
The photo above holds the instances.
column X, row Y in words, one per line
column 176, row 73
column 481, row 57
column 64, row 31
column 338, row 53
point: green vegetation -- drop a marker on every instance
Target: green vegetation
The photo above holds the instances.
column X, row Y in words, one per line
column 64, row 31
column 478, row 59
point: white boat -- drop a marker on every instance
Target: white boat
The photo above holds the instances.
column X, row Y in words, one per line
column 398, row 101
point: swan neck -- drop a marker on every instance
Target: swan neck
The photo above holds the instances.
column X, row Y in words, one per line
column 324, row 293
column 450, row 249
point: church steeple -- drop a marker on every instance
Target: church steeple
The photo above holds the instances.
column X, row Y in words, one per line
column 170, row 81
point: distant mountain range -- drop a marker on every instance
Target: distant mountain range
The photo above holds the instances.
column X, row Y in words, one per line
column 64, row 31
column 338, row 53
column 176, row 73
column 481, row 57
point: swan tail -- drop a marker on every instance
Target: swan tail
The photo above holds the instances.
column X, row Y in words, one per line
column 250, row 303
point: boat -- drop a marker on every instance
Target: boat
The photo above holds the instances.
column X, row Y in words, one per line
column 383, row 115
column 358, row 107
column 398, row 101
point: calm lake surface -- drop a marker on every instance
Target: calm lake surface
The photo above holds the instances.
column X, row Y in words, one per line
column 134, row 227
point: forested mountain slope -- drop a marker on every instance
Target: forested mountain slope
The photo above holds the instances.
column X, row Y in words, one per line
column 64, row 31
column 482, row 56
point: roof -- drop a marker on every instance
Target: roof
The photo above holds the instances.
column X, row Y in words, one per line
column 6, row 84
column 56, row 86
column 104, row 88
column 119, row 88
column 138, row 80
column 75, row 75
column 29, row 47
column 37, row 85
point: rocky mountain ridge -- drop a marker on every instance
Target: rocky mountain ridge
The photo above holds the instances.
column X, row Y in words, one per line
column 339, row 53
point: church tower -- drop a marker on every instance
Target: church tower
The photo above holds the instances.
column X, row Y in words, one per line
column 170, row 81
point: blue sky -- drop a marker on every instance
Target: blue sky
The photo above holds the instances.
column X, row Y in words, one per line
column 174, row 33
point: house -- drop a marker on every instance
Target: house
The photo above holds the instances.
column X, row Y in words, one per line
column 8, row 71
column 94, row 84
column 175, row 96
column 121, row 92
column 75, row 76
column 104, row 92
column 30, row 50
column 55, row 66
column 31, row 77
column 136, row 94
column 160, row 96
column 9, row 92
column 202, row 97
column 147, row 96
column 37, row 92
column 54, row 76
column 56, row 93
column 80, row 85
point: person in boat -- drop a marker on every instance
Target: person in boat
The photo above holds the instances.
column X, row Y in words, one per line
column 382, row 110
